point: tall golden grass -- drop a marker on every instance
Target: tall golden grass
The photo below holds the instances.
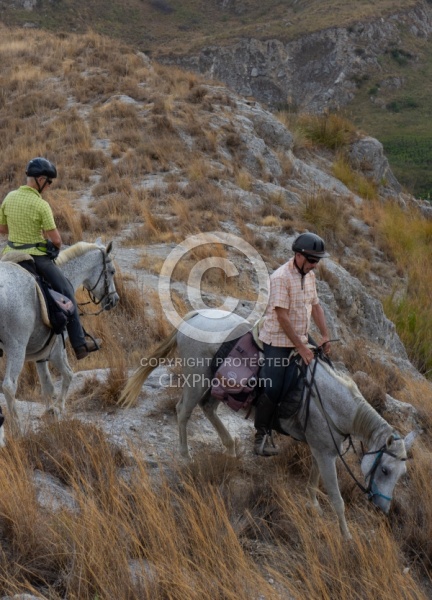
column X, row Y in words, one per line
column 120, row 532
column 407, row 237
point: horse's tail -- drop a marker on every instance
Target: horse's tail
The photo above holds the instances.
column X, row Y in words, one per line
column 131, row 391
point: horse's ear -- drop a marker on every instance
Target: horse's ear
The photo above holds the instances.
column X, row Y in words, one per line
column 409, row 439
column 98, row 242
column 109, row 247
column 391, row 438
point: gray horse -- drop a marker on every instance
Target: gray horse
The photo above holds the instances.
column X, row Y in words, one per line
column 336, row 409
column 23, row 334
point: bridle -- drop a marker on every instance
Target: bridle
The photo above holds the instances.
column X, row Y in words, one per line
column 371, row 490
column 107, row 293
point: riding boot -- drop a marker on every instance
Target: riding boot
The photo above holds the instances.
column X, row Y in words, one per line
column 264, row 412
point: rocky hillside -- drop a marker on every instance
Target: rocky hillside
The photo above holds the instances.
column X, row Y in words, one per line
column 149, row 155
column 375, row 70
column 319, row 71
column 370, row 60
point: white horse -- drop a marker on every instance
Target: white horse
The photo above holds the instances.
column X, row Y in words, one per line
column 336, row 409
column 23, row 334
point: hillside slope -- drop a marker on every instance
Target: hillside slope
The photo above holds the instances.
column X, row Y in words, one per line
column 172, row 25
column 149, row 155
column 371, row 60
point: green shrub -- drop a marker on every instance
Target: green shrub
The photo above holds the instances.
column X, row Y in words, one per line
column 407, row 103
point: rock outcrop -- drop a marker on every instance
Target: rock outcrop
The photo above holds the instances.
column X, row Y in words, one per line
column 315, row 72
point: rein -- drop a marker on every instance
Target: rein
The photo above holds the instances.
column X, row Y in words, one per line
column 371, row 490
column 107, row 293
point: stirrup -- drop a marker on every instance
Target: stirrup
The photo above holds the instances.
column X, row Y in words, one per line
column 267, row 447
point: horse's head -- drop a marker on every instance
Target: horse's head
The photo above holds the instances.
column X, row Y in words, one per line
column 101, row 285
column 382, row 469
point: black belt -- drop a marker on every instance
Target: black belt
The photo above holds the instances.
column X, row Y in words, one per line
column 49, row 249
column 18, row 246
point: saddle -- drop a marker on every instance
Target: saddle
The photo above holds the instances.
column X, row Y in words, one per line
column 237, row 371
column 56, row 309
column 235, row 367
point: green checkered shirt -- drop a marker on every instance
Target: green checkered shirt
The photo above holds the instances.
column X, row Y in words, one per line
column 26, row 214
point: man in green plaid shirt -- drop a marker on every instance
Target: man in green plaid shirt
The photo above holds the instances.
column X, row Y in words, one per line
column 28, row 221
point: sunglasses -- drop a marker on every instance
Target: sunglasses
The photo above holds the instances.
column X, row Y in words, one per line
column 312, row 259
column 49, row 181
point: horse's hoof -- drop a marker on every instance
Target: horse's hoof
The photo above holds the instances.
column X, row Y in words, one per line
column 315, row 507
column 52, row 411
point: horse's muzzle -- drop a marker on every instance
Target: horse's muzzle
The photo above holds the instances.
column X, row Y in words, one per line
column 380, row 503
column 111, row 301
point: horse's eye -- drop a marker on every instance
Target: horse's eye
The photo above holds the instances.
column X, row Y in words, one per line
column 384, row 470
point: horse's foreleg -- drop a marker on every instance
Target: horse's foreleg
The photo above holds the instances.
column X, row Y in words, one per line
column 209, row 406
column 59, row 359
column 327, row 468
column 14, row 364
column 184, row 410
column 312, row 486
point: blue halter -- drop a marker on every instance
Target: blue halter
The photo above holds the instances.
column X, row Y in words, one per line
column 371, row 489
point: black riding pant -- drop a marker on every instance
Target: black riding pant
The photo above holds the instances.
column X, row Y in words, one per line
column 47, row 269
column 278, row 372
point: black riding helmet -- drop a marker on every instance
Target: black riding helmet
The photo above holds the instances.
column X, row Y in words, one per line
column 310, row 244
column 41, row 167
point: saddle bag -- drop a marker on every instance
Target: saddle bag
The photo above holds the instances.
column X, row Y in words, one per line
column 236, row 375
column 60, row 308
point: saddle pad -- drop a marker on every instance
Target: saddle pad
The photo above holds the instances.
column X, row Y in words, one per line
column 12, row 260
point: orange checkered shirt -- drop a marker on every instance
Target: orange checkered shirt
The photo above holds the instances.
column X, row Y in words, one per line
column 288, row 289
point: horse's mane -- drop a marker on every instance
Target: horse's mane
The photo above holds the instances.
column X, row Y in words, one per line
column 366, row 419
column 74, row 251
column 344, row 380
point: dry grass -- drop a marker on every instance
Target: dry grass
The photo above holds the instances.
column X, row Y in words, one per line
column 244, row 180
column 67, row 218
column 329, row 130
column 180, row 534
column 405, row 235
column 354, row 180
column 418, row 394
column 97, row 394
column 135, row 324
column 328, row 215
column 383, row 378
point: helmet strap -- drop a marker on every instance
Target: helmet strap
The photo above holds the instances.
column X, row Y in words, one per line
column 299, row 269
column 40, row 188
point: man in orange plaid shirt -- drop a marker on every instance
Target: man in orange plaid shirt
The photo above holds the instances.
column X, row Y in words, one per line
column 292, row 303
